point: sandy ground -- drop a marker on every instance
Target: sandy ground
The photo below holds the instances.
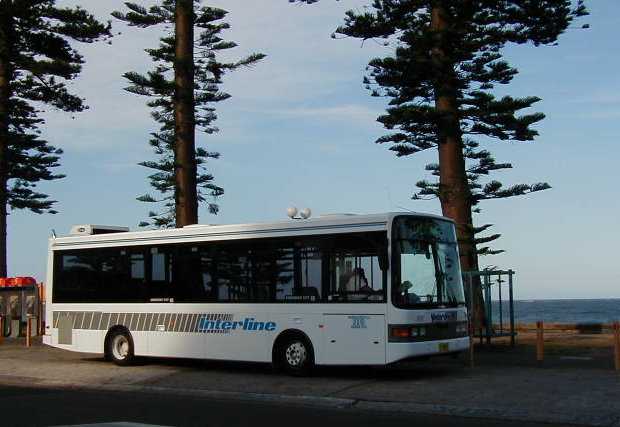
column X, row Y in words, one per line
column 562, row 348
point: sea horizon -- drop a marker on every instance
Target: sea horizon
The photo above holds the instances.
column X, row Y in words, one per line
column 561, row 310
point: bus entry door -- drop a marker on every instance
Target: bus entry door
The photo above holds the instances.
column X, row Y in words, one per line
column 354, row 339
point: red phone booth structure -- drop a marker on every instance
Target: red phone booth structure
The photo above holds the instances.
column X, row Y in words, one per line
column 20, row 300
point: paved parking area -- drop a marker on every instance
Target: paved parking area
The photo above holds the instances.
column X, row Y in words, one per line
column 562, row 394
column 124, row 409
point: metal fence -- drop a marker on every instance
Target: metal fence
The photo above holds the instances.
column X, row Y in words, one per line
column 493, row 284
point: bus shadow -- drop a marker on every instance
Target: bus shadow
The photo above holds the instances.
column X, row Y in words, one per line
column 398, row 372
column 413, row 369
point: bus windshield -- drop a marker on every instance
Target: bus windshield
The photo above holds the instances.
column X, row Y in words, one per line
column 426, row 264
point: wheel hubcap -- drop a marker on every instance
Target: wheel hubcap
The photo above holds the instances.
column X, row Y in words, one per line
column 296, row 354
column 120, row 347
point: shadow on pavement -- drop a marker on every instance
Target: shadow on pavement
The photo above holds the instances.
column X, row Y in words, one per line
column 404, row 371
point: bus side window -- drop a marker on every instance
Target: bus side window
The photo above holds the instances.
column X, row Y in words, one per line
column 160, row 283
column 158, row 265
column 272, row 271
column 137, row 267
column 202, row 276
column 284, row 274
column 309, row 274
column 75, row 277
column 233, row 273
column 356, row 272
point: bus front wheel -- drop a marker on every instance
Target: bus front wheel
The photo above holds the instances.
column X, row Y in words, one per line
column 295, row 356
column 119, row 347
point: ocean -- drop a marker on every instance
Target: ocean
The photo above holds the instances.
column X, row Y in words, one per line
column 561, row 311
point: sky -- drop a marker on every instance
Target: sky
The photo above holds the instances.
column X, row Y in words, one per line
column 299, row 130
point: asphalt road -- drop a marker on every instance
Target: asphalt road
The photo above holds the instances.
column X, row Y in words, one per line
column 29, row 406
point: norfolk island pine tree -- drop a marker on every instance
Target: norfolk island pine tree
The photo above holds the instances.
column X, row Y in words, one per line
column 440, row 81
column 183, row 87
column 480, row 163
column 36, row 62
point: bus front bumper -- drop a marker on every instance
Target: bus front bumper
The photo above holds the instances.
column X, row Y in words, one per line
column 397, row 351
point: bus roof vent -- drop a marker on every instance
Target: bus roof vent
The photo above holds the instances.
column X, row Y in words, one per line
column 90, row 229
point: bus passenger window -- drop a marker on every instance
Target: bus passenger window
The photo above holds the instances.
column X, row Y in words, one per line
column 272, row 272
column 161, row 286
column 355, row 269
column 158, row 266
column 137, row 266
column 308, row 275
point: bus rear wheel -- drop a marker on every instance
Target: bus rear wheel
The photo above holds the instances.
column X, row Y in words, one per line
column 295, row 356
column 119, row 347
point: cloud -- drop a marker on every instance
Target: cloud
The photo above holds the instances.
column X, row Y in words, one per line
column 304, row 66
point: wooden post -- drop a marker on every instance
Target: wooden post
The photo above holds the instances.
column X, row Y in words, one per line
column 39, row 309
column 540, row 343
column 28, row 331
column 617, row 345
column 471, row 343
column 41, row 317
column 1, row 328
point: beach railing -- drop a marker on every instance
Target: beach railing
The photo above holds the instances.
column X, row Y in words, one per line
column 540, row 338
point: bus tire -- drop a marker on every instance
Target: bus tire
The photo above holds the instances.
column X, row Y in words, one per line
column 294, row 355
column 119, row 347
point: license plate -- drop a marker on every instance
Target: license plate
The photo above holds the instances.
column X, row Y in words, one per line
column 444, row 347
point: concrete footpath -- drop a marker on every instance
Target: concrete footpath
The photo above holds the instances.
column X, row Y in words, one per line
column 580, row 392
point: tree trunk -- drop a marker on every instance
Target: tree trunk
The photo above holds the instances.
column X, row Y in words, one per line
column 5, row 95
column 454, row 192
column 186, row 200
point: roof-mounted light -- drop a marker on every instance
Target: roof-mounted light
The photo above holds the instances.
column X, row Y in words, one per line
column 90, row 229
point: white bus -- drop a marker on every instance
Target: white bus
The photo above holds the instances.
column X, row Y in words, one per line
column 333, row 290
